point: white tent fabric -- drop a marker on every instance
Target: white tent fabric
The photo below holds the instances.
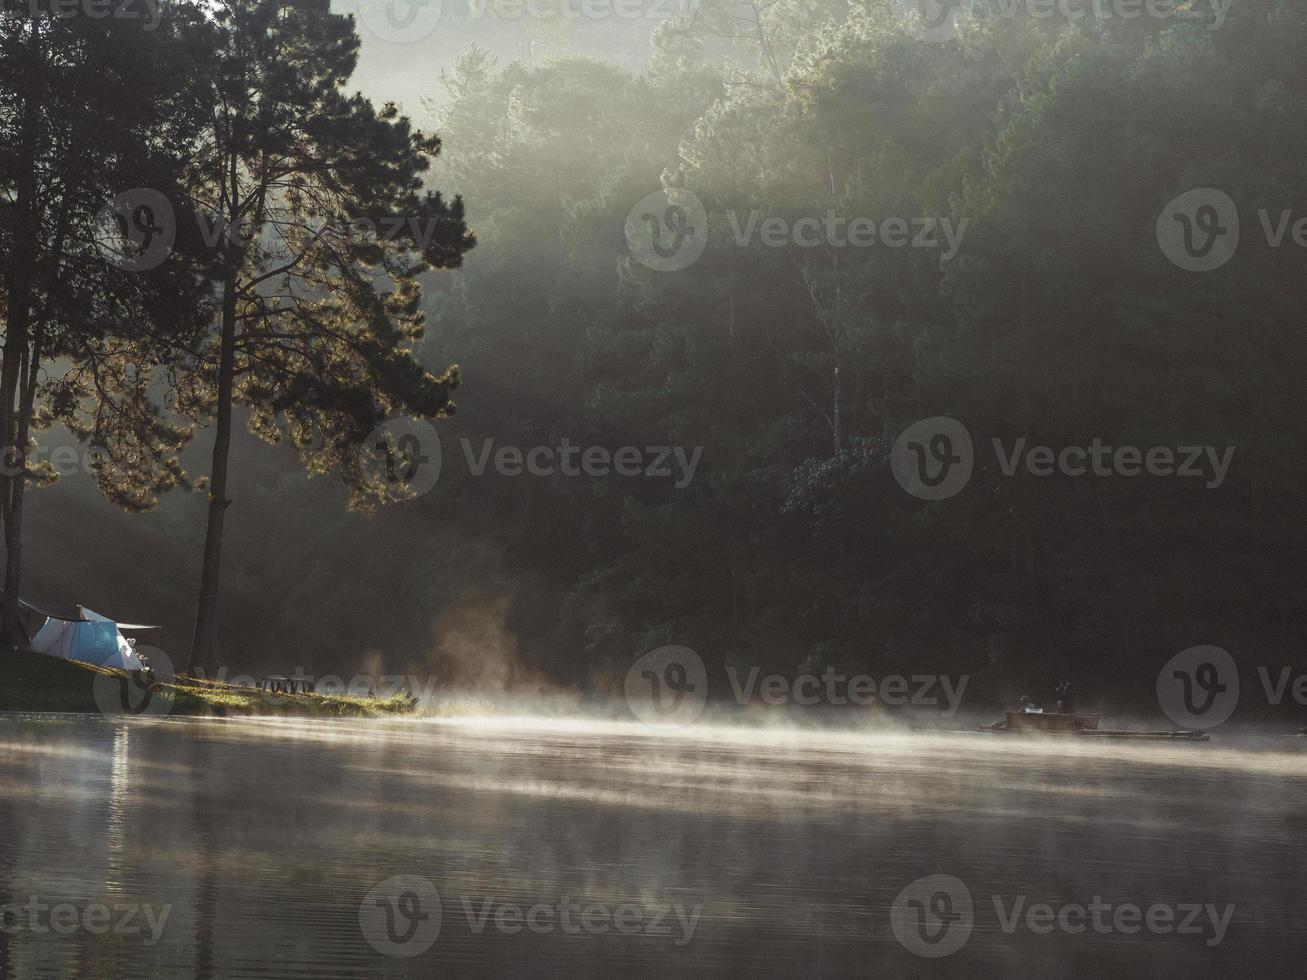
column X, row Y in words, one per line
column 94, row 616
column 97, row 641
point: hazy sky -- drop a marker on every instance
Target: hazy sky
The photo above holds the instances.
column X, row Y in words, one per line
column 405, row 47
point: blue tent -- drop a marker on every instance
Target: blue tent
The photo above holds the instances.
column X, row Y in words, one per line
column 90, row 639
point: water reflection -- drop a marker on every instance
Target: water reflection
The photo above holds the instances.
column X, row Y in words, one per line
column 116, row 827
column 261, row 839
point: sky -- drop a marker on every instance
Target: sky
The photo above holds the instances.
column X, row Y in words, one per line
column 405, row 47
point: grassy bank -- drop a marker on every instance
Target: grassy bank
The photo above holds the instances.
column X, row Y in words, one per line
column 34, row 682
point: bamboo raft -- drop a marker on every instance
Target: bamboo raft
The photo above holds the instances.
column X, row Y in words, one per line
column 1079, row 726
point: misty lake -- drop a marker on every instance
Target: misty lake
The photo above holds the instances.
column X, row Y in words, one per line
column 590, row 849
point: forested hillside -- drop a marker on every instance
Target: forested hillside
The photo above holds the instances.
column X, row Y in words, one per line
column 1050, row 313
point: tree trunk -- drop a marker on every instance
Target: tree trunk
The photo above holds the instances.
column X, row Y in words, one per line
column 12, row 480
column 11, row 630
column 22, row 260
column 837, row 417
column 204, row 642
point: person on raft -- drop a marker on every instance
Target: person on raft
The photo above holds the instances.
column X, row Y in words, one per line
column 1066, row 699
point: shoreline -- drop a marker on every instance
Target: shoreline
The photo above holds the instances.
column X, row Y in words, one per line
column 37, row 683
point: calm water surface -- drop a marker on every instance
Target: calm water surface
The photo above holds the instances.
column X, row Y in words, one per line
column 254, row 844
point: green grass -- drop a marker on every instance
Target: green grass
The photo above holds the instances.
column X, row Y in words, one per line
column 35, row 682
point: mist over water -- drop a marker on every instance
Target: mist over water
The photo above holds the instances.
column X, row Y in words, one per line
column 833, row 378
column 262, row 839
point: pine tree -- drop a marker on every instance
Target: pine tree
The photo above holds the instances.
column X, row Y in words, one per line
column 78, row 128
column 320, row 225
